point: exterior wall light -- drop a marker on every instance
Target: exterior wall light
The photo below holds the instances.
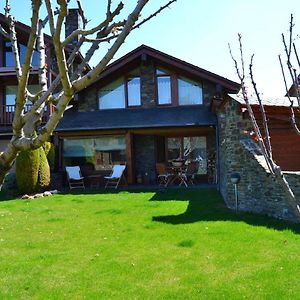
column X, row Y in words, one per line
column 235, row 179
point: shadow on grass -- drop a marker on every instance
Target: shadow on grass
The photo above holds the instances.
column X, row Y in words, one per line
column 208, row 205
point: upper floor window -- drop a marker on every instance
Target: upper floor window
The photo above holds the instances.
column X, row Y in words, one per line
column 112, row 95
column 163, row 87
column 177, row 90
column 9, row 56
column 121, row 93
column 189, row 92
column 11, row 94
column 134, row 91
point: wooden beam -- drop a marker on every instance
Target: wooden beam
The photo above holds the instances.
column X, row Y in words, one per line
column 129, row 158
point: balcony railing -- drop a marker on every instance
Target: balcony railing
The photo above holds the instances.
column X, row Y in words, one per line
column 7, row 114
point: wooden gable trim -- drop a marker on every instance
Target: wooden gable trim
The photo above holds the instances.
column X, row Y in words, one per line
column 145, row 52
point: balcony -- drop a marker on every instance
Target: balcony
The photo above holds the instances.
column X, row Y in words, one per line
column 7, row 114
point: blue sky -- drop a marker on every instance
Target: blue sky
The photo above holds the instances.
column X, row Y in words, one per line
column 198, row 31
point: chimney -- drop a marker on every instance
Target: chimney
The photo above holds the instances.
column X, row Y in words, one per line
column 73, row 22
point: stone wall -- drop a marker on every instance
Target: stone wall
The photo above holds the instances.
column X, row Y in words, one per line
column 258, row 191
column 144, row 153
column 148, row 85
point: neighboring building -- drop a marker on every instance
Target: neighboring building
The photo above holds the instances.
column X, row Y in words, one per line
column 8, row 79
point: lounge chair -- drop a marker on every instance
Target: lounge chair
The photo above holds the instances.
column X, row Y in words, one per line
column 75, row 178
column 116, row 176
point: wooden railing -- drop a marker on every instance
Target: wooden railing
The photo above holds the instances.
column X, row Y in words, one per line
column 7, row 114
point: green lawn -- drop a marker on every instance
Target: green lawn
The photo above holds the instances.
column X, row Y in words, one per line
column 179, row 244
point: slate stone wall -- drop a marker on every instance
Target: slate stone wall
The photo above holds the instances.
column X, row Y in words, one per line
column 148, row 85
column 144, row 153
column 88, row 100
column 257, row 191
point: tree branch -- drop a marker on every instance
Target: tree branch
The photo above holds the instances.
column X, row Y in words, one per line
column 262, row 111
column 83, row 32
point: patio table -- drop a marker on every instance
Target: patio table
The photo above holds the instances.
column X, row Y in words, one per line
column 94, row 180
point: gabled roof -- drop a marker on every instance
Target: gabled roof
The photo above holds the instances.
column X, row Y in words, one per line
column 278, row 102
column 143, row 52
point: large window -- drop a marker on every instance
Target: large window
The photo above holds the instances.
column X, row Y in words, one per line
column 177, row 90
column 191, row 149
column 134, row 91
column 9, row 57
column 112, row 95
column 11, row 94
column 163, row 87
column 122, row 92
column 189, row 92
column 101, row 152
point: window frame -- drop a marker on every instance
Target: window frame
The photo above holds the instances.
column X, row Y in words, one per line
column 174, row 85
column 125, row 79
column 8, row 49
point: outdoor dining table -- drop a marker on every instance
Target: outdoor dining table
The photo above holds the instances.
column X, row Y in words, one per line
column 177, row 174
column 94, row 180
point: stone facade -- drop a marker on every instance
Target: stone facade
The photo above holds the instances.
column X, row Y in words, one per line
column 144, row 153
column 148, row 85
column 257, row 191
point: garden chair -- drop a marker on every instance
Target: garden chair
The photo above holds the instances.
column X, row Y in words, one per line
column 162, row 175
column 116, row 176
column 75, row 178
column 191, row 172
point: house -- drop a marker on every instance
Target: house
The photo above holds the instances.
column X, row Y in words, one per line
column 146, row 108
column 149, row 107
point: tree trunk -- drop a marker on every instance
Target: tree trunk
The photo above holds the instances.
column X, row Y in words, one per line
column 7, row 160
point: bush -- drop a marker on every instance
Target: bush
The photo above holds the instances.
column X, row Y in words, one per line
column 44, row 176
column 27, row 169
column 50, row 153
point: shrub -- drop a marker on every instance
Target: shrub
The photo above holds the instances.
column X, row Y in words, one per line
column 27, row 169
column 50, row 153
column 44, row 176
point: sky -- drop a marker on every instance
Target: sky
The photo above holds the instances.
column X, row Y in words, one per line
column 198, row 31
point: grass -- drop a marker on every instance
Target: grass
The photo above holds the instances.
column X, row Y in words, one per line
column 178, row 244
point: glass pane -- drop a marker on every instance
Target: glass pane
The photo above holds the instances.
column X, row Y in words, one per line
column 164, row 90
column 22, row 53
column 11, row 93
column 8, row 55
column 100, row 153
column 109, row 151
column 112, row 96
column 195, row 152
column 78, row 152
column 9, row 58
column 174, row 148
column 161, row 72
column 134, row 92
column 35, row 55
column 10, row 97
column 189, row 92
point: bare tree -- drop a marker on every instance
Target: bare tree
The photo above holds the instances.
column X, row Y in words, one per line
column 291, row 53
column 60, row 92
column 263, row 135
